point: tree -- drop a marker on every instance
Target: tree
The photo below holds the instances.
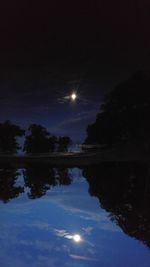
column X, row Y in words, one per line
column 8, row 134
column 39, row 140
column 39, row 179
column 8, row 188
column 52, row 142
column 125, row 114
column 123, row 190
column 63, row 143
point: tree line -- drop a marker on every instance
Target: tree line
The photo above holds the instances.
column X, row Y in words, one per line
column 124, row 115
column 37, row 139
column 38, row 178
column 123, row 190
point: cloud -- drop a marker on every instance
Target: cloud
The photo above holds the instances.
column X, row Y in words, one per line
column 60, row 233
column 63, row 233
column 80, row 257
column 88, row 230
column 80, row 205
column 75, row 125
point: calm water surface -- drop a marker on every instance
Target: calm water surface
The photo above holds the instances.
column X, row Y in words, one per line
column 96, row 216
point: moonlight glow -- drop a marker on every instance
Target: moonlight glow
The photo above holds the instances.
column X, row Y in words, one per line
column 76, row 238
column 73, row 96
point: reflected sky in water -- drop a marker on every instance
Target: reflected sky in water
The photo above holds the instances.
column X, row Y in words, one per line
column 64, row 226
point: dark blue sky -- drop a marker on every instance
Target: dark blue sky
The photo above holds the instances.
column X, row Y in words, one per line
column 42, row 102
column 49, row 49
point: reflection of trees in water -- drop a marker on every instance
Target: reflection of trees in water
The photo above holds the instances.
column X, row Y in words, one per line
column 63, row 177
column 38, row 178
column 123, row 189
column 41, row 178
column 8, row 189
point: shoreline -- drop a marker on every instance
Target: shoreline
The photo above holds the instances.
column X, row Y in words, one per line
column 72, row 159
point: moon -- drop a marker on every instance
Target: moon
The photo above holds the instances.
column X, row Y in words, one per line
column 76, row 238
column 73, row 96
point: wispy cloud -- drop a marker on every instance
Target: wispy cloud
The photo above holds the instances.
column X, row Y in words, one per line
column 63, row 233
column 72, row 125
column 88, row 230
column 80, row 257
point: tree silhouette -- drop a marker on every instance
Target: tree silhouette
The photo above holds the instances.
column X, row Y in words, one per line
column 38, row 178
column 123, row 190
column 125, row 114
column 39, row 140
column 63, row 177
column 53, row 143
column 63, row 143
column 41, row 178
column 8, row 134
column 8, row 189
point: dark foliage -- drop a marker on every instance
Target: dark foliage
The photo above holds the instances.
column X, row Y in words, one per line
column 41, row 178
column 39, row 140
column 38, row 178
column 125, row 114
column 123, row 189
column 63, row 143
column 8, row 134
column 8, row 189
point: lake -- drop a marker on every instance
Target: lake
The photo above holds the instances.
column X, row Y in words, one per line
column 94, row 216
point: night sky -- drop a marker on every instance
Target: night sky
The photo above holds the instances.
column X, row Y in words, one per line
column 49, row 49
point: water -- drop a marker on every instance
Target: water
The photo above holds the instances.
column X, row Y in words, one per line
column 96, row 216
